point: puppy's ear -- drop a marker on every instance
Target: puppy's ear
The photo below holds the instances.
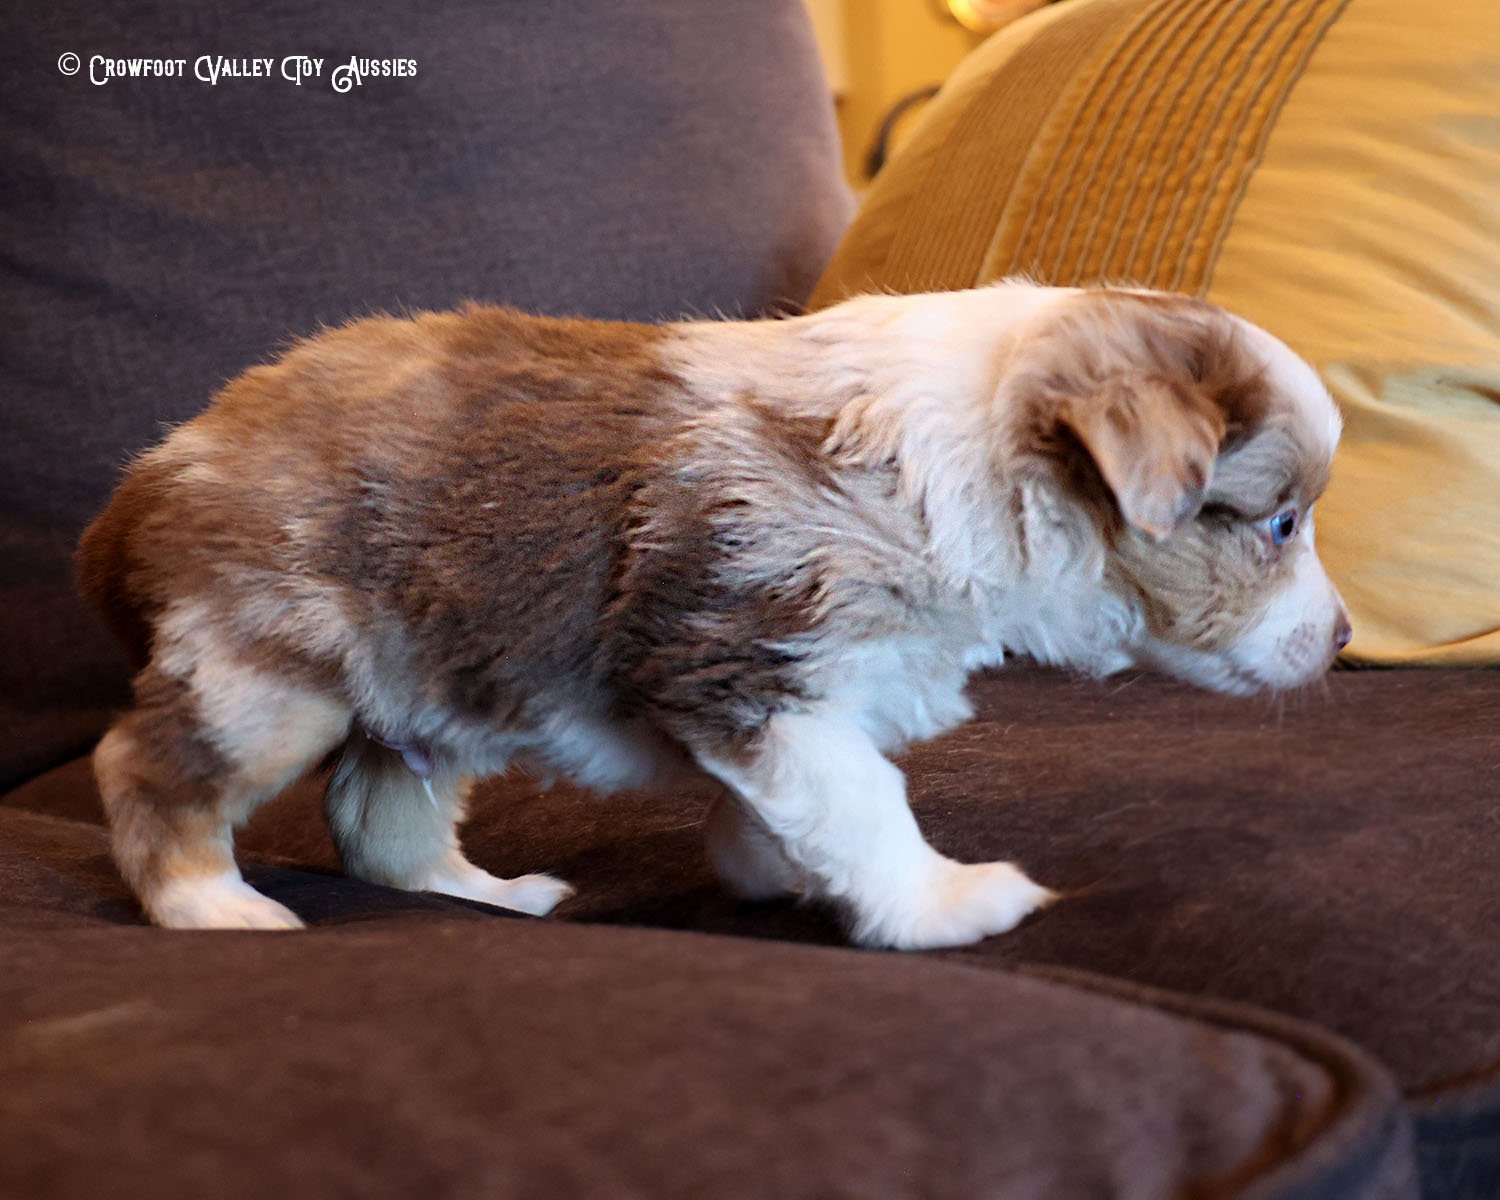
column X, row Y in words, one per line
column 1154, row 441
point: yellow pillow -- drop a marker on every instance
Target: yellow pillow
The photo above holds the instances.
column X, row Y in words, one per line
column 1329, row 169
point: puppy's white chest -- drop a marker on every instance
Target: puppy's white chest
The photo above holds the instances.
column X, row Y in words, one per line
column 899, row 690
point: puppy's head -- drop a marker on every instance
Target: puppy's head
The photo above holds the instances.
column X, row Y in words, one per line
column 1198, row 444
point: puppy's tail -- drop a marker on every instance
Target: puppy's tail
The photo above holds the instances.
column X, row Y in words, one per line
column 105, row 565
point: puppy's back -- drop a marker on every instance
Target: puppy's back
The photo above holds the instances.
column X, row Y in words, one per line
column 103, row 564
column 458, row 476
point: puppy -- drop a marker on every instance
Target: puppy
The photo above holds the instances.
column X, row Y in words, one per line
column 768, row 551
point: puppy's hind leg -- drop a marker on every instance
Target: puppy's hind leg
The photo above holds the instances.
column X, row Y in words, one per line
column 837, row 808
column 191, row 760
column 393, row 829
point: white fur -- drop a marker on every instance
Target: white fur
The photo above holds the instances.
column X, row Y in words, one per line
column 189, row 452
column 1001, row 562
column 219, row 901
column 536, row 895
column 838, row 813
column 746, row 855
column 1290, row 375
column 919, row 381
column 271, row 731
column 1288, row 644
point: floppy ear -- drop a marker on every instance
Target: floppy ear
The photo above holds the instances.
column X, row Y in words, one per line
column 1154, row 441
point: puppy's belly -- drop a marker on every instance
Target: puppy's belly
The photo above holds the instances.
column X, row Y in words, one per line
column 601, row 754
column 899, row 691
column 588, row 750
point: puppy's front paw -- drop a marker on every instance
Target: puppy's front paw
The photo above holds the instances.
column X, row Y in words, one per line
column 216, row 902
column 536, row 895
column 962, row 903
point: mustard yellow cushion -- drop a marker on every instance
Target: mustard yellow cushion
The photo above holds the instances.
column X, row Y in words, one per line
column 1329, row 169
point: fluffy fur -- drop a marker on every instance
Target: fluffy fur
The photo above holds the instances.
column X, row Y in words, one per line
column 768, row 551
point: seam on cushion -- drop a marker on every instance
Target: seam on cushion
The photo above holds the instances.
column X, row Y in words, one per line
column 1076, row 132
column 944, row 232
column 293, row 870
column 1116, row 150
column 1154, row 39
column 933, row 255
column 1365, row 1110
column 1204, row 129
column 1329, row 11
column 1117, row 121
column 1459, row 1089
column 1148, row 202
column 29, row 816
column 1168, row 141
column 1023, row 191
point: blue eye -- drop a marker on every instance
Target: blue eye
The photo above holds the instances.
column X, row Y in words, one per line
column 1282, row 526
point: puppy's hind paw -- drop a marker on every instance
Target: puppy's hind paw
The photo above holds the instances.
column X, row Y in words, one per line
column 964, row 903
column 536, row 895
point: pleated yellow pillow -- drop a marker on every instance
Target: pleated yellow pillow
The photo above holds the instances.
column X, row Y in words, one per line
column 1329, row 169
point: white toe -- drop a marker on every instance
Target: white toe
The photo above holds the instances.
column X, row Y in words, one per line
column 534, row 894
column 963, row 903
column 537, row 895
column 217, row 902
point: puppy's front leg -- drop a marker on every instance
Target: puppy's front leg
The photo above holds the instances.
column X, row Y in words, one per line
column 745, row 855
column 838, row 809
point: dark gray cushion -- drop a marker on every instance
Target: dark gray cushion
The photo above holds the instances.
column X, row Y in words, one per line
column 636, row 159
column 410, row 1045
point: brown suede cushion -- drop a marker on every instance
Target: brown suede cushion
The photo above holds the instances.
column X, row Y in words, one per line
column 411, row 1046
column 1332, row 857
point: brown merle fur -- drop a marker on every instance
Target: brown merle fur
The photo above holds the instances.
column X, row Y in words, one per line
column 480, row 525
column 1202, row 586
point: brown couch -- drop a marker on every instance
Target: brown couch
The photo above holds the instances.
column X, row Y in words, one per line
column 1276, row 972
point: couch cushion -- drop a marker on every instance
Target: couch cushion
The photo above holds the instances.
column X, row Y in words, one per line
column 1330, row 856
column 1326, row 168
column 411, row 1045
column 161, row 235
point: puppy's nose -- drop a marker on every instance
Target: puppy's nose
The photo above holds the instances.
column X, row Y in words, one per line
column 1342, row 631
